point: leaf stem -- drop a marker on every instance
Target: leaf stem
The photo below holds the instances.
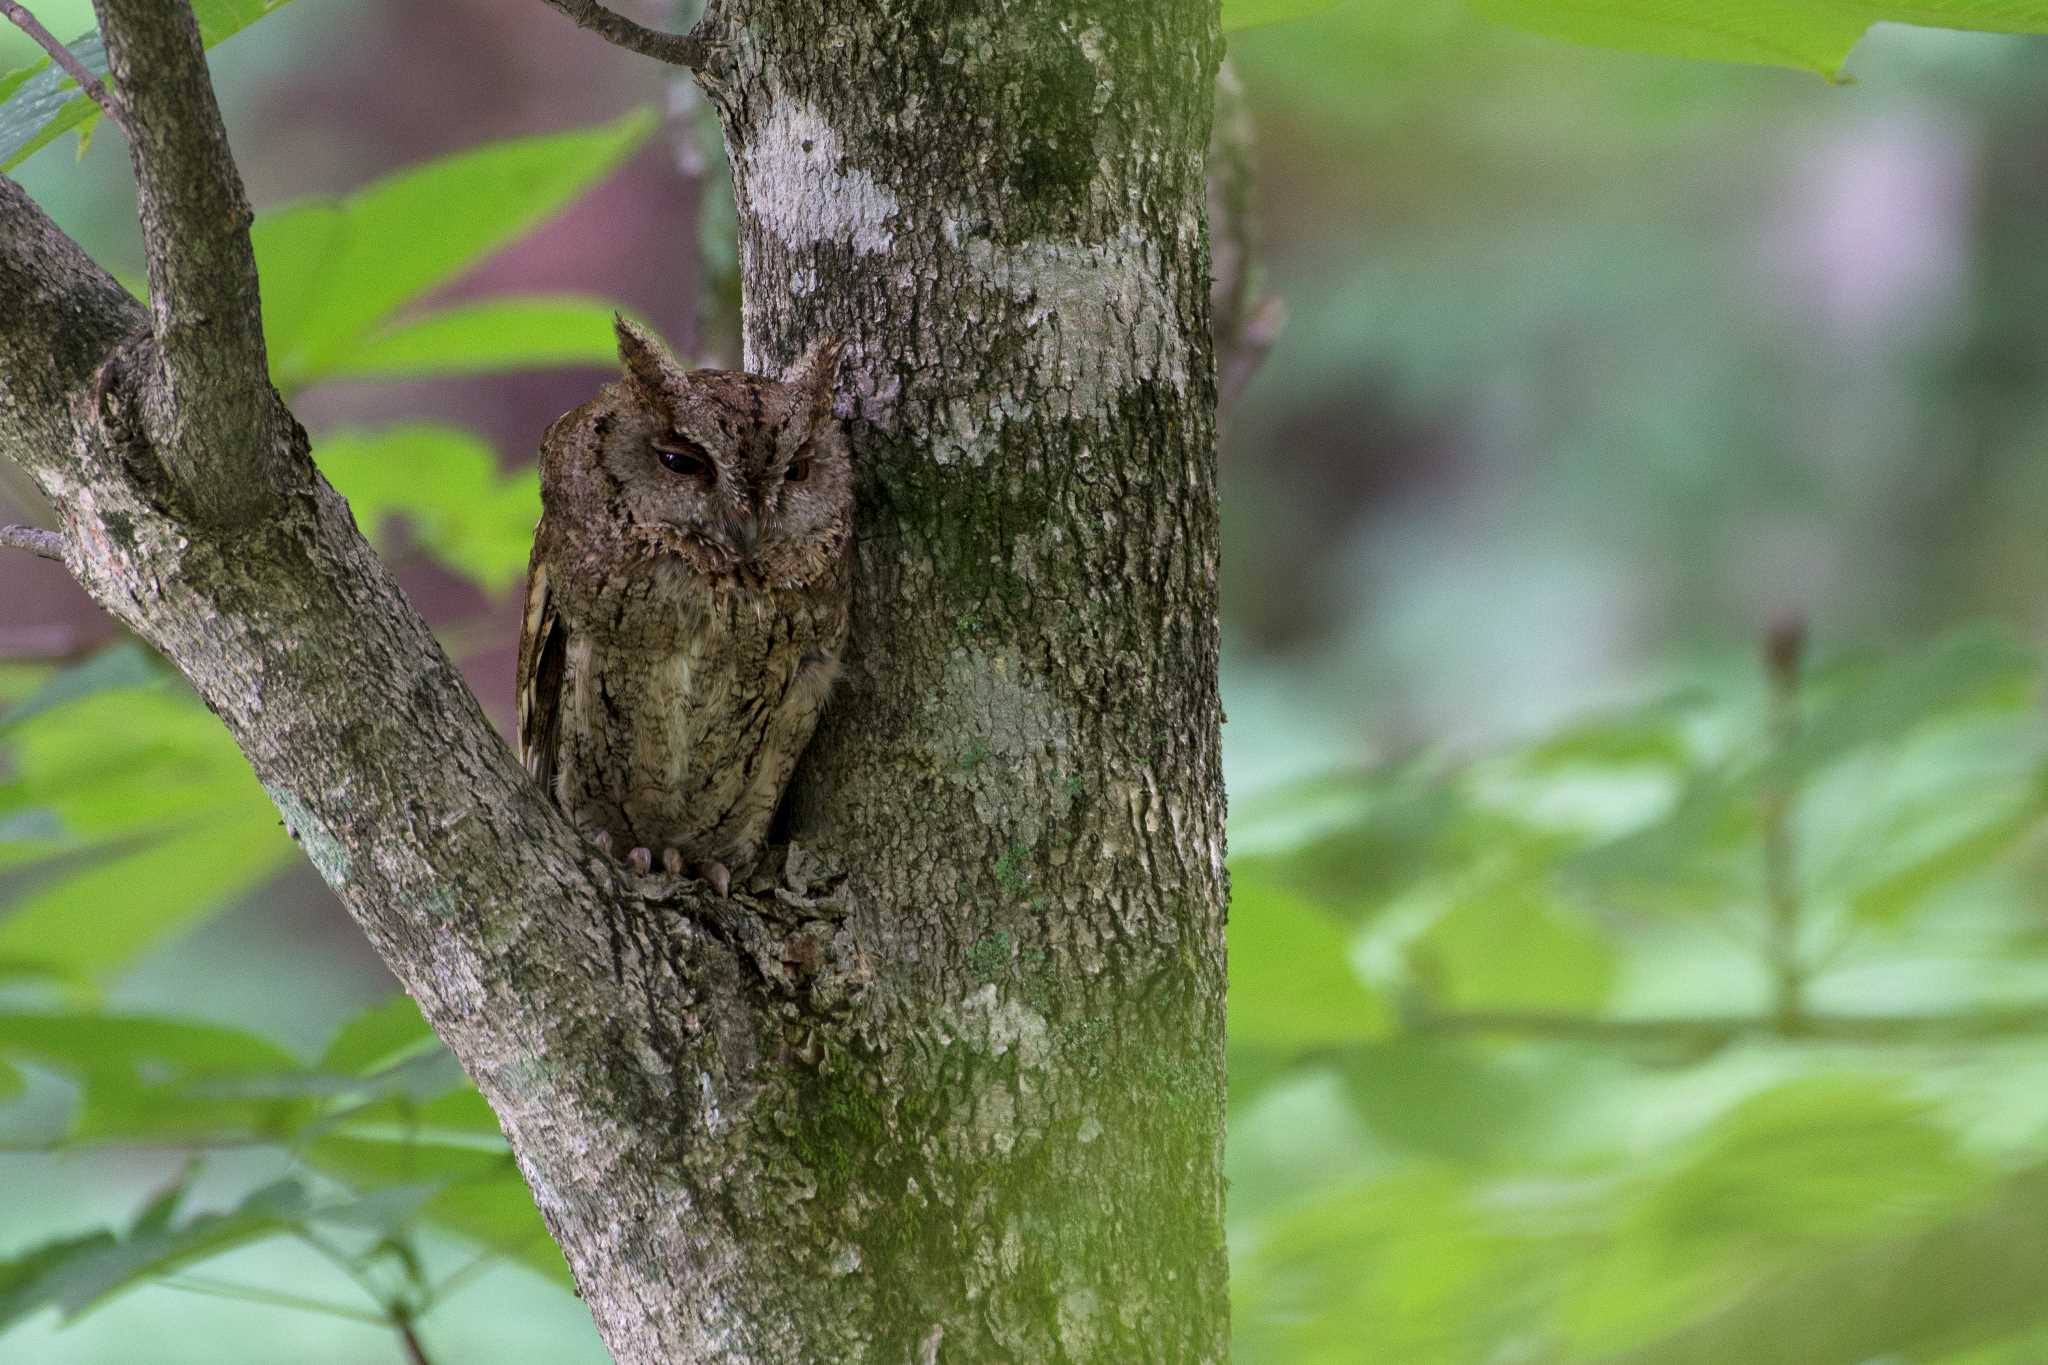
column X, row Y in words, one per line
column 1784, row 647
column 415, row 1351
column 273, row 1298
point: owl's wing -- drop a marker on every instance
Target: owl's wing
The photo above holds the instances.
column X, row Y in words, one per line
column 543, row 649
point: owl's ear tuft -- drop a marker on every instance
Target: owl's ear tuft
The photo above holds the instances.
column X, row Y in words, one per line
column 816, row 372
column 645, row 360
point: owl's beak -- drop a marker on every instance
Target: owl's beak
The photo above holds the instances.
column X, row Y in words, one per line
column 747, row 537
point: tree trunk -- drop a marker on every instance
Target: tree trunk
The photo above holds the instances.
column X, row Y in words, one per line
column 955, row 1092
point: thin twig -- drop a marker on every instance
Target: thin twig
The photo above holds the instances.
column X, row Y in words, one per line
column 1784, row 647
column 68, row 61
column 46, row 544
column 1719, row 1030
column 415, row 1353
column 677, row 49
column 345, row 1262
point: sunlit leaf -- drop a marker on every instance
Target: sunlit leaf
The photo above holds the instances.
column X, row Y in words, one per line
column 525, row 332
column 123, row 665
column 1291, row 979
column 446, row 486
column 334, row 271
column 161, row 817
column 1506, row 945
column 1813, row 35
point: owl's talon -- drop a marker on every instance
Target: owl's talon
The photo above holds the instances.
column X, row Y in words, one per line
column 642, row 860
column 603, row 840
column 720, row 877
column 672, row 862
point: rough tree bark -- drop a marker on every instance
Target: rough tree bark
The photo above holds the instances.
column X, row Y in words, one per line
column 954, row 1092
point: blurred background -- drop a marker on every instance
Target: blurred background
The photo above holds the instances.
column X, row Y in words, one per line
column 1597, row 367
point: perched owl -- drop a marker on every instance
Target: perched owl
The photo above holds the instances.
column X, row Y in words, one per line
column 686, row 604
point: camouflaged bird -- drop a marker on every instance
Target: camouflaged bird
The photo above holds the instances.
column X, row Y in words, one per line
column 686, row 604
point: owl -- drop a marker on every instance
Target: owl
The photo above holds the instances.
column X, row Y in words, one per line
column 686, row 604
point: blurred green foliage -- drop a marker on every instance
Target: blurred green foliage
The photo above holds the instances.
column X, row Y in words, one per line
column 1635, row 1074
column 1542, row 1055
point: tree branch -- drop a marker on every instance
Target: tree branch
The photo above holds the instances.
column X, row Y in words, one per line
column 213, row 417
column 61, row 316
column 43, row 544
column 678, row 49
column 63, row 57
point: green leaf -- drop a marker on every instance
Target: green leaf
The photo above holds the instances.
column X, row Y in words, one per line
column 1407, row 1264
column 479, row 1191
column 102, row 910
column 1803, row 1167
column 1240, row 14
column 39, row 103
column 334, row 271
column 1349, row 842
column 379, row 1037
column 1863, row 704
column 162, row 819
column 446, row 485
column 80, row 1274
column 1943, row 848
column 149, row 1077
column 512, row 333
column 1508, row 946
column 1812, row 35
column 1979, row 1278
column 1291, row 979
column 119, row 666
column 1703, row 854
column 1647, row 736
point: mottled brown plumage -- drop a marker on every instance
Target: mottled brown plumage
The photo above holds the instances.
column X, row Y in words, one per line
column 686, row 604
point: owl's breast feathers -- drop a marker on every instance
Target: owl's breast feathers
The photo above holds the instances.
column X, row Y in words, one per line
column 667, row 709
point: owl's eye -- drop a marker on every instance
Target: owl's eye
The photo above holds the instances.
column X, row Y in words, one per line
column 683, row 457
column 799, row 469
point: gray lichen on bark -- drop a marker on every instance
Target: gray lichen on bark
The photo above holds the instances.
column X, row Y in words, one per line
column 954, row 1090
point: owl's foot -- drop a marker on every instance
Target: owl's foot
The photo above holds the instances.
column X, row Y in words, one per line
column 672, row 862
column 603, row 840
column 642, row 860
column 719, row 875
